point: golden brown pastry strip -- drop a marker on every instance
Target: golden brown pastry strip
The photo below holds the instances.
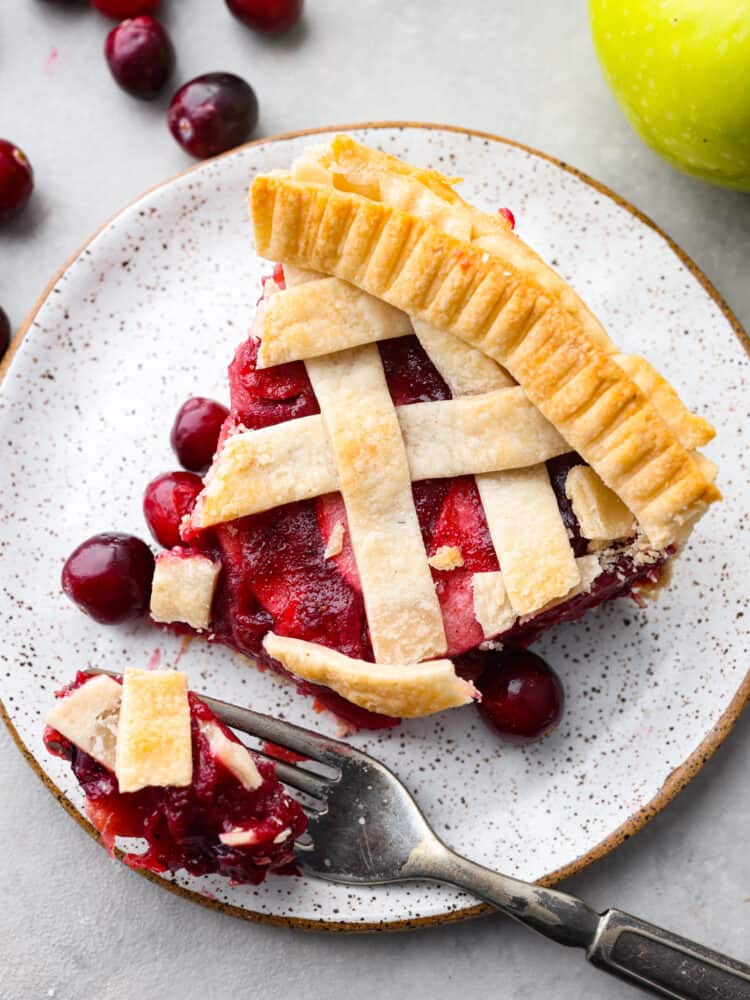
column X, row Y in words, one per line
column 260, row 469
column 403, row 612
column 409, row 690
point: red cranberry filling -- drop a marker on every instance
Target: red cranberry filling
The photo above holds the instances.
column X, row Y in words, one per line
column 558, row 469
column 262, row 398
column 276, row 575
column 182, row 825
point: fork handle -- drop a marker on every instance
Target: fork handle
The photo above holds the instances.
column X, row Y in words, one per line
column 669, row 965
column 557, row 915
column 642, row 954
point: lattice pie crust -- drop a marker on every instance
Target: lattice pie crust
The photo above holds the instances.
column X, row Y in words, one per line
column 374, row 249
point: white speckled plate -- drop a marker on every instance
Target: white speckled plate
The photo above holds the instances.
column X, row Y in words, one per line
column 151, row 311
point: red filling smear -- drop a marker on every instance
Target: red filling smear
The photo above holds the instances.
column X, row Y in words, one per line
column 182, row 825
column 281, row 753
column 277, row 577
column 459, row 522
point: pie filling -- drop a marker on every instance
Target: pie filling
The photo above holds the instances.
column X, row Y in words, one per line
column 292, row 571
column 227, row 814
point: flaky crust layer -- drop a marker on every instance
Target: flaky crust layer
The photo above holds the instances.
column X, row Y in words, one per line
column 492, row 305
column 353, row 163
column 403, row 690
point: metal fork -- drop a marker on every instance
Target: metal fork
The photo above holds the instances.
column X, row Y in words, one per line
column 366, row 829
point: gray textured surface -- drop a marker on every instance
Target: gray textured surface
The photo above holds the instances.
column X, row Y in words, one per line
column 75, row 924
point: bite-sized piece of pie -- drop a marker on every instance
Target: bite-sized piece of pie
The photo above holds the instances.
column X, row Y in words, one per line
column 155, row 763
column 433, row 448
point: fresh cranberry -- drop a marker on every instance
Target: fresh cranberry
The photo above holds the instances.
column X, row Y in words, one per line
column 118, row 10
column 509, row 216
column 166, row 501
column 522, row 697
column 5, row 332
column 16, row 180
column 140, row 56
column 267, row 15
column 109, row 577
column 213, row 113
column 195, row 432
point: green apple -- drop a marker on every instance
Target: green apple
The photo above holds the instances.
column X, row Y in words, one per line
column 680, row 70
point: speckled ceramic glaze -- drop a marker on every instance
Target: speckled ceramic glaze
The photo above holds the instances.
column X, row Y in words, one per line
column 151, row 312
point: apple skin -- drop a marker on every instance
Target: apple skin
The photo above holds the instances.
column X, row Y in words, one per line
column 680, row 70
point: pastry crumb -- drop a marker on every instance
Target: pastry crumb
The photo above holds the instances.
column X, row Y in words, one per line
column 446, row 557
column 335, row 542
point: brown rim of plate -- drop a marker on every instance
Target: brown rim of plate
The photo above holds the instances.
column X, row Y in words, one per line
column 675, row 782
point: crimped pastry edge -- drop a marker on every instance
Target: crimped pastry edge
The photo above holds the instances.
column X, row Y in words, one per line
column 463, row 290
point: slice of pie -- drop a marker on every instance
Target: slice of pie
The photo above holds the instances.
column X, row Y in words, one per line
column 433, row 448
column 156, row 764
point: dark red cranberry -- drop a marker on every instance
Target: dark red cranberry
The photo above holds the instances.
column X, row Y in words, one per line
column 195, row 432
column 213, row 113
column 118, row 10
column 267, row 15
column 109, row 577
column 522, row 697
column 16, row 180
column 140, row 56
column 166, row 501
column 5, row 332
